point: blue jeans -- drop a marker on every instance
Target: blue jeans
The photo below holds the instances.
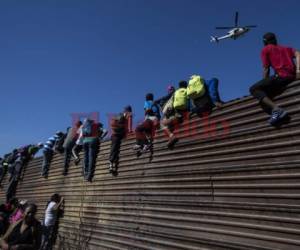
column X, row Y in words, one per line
column 90, row 154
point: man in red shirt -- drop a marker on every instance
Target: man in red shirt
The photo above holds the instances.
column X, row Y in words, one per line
column 281, row 59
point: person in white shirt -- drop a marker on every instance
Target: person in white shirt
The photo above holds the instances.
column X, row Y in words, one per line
column 50, row 220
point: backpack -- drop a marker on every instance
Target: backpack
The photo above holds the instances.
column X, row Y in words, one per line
column 180, row 99
column 87, row 128
column 118, row 124
column 156, row 110
column 196, row 87
column 168, row 105
column 152, row 109
column 33, row 150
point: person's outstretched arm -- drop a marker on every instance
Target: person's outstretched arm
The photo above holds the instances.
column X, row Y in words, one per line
column 59, row 203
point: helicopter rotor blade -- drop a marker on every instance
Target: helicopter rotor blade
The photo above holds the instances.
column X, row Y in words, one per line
column 251, row 26
column 236, row 19
column 224, row 28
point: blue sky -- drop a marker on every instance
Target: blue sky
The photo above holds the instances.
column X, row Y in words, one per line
column 60, row 56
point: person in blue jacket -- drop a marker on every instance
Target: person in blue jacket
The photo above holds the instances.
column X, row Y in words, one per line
column 212, row 86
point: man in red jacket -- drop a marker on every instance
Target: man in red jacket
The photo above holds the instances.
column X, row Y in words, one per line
column 281, row 59
column 121, row 125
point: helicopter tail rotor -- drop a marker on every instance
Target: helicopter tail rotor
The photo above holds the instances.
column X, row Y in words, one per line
column 214, row 39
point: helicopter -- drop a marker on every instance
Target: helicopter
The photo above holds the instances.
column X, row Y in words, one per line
column 235, row 31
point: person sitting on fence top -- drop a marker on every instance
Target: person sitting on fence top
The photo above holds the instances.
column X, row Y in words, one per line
column 24, row 234
column 120, row 126
column 174, row 111
column 281, row 59
column 145, row 131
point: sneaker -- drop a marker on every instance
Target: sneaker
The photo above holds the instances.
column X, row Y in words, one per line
column 277, row 115
column 146, row 147
column 87, row 178
column 137, row 147
column 111, row 167
column 45, row 176
column 173, row 140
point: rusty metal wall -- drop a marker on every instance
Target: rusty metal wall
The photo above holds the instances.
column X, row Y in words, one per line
column 232, row 182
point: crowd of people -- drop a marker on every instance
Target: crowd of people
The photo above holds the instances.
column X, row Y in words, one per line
column 20, row 230
column 193, row 96
column 14, row 164
column 198, row 96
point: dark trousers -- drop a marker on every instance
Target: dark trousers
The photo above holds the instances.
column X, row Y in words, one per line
column 68, row 155
column 48, row 155
column 116, row 141
column 202, row 105
column 90, row 154
column 11, row 187
column 47, row 238
column 18, row 169
column 15, row 172
column 3, row 170
column 269, row 87
column 11, row 170
column 144, row 130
